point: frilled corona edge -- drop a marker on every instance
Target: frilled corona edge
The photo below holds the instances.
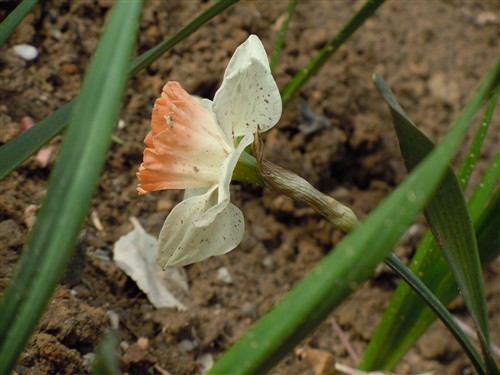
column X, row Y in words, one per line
column 185, row 147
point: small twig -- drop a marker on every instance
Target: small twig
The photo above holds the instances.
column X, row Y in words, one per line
column 345, row 341
column 471, row 333
column 161, row 370
column 343, row 369
column 94, row 216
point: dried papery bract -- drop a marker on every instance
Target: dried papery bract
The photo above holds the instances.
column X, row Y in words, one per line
column 295, row 187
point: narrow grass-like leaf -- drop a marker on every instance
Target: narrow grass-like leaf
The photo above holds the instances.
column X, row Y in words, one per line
column 154, row 53
column 10, row 23
column 448, row 218
column 71, row 186
column 488, row 237
column 435, row 305
column 469, row 162
column 407, row 318
column 327, row 51
column 27, row 143
column 352, row 262
column 281, row 35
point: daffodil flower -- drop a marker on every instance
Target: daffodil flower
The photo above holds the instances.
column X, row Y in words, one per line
column 196, row 145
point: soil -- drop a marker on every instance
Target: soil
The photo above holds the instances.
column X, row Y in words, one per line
column 431, row 53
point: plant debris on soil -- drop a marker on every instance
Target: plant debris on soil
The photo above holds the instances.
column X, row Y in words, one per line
column 340, row 138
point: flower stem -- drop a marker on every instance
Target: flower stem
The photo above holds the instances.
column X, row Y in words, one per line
column 295, row 187
column 247, row 171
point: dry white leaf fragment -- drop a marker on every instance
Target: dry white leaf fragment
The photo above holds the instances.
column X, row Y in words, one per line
column 94, row 216
column 135, row 254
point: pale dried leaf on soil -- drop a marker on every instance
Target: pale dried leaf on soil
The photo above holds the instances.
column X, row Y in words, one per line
column 135, row 254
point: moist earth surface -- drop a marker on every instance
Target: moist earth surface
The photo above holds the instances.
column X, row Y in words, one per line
column 432, row 54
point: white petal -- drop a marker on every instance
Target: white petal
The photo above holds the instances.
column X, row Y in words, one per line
column 250, row 48
column 188, row 193
column 248, row 98
column 224, row 181
column 182, row 243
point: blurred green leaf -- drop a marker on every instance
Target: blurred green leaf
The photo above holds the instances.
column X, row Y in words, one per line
column 281, row 35
column 71, row 186
column 27, row 143
column 10, row 23
column 406, row 318
column 352, row 262
column 327, row 51
column 106, row 360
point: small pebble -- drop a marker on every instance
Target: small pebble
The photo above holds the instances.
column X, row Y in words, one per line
column 412, row 231
column 88, row 361
column 249, row 309
column 224, row 276
column 187, row 345
column 205, row 361
column 56, row 33
column 27, row 122
column 26, row 52
column 30, row 215
column 486, row 18
column 114, row 319
column 43, row 156
column 268, row 261
column 143, row 343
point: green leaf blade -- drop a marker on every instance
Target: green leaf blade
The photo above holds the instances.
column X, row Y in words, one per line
column 27, row 143
column 468, row 164
column 352, row 262
column 405, row 317
column 326, row 52
column 281, row 35
column 71, row 186
column 447, row 216
column 10, row 23
column 437, row 307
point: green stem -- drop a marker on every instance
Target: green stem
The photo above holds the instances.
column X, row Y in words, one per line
column 72, row 183
column 281, row 36
column 353, row 261
column 246, row 170
column 322, row 57
column 10, row 23
column 15, row 152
